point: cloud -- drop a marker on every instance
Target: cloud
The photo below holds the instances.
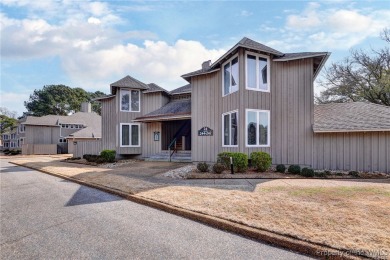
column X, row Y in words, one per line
column 246, row 13
column 328, row 28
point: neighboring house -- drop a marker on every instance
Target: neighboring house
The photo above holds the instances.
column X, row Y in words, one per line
column 253, row 98
column 51, row 134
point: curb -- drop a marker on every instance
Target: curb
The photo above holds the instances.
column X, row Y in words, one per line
column 300, row 246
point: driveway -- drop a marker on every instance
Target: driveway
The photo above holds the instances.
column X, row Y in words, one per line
column 45, row 217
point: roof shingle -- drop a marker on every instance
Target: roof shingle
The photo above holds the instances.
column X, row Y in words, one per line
column 155, row 88
column 129, row 82
column 351, row 117
column 172, row 109
column 181, row 90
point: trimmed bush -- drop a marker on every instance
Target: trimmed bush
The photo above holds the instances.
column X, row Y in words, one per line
column 307, row 172
column 280, row 168
column 108, row 155
column 91, row 157
column 218, row 168
column 354, row 174
column 240, row 161
column 202, row 167
column 320, row 174
column 294, row 169
column 261, row 161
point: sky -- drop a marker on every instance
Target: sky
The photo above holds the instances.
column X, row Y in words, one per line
column 90, row 44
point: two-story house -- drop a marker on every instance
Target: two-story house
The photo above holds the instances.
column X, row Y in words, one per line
column 253, row 98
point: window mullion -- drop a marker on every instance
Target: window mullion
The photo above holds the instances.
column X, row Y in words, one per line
column 257, row 128
column 230, row 129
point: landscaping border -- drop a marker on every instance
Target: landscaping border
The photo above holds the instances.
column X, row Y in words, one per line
column 283, row 241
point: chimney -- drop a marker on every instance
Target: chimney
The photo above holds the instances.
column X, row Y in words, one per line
column 206, row 65
column 86, row 107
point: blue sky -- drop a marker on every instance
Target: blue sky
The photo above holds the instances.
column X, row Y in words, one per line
column 91, row 44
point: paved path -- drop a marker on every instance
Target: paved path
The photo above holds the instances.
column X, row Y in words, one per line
column 46, row 217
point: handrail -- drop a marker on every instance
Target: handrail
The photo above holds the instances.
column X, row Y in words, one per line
column 169, row 148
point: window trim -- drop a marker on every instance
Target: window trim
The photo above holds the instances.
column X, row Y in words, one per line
column 223, row 75
column 257, row 135
column 257, row 55
column 139, row 134
column 230, row 129
column 121, row 92
column 21, row 126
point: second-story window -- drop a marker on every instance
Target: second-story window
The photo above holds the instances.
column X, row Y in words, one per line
column 257, row 72
column 230, row 76
column 130, row 100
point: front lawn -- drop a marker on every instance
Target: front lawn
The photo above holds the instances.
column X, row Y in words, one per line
column 346, row 215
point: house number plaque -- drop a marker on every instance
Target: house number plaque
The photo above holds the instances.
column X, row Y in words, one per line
column 205, row 131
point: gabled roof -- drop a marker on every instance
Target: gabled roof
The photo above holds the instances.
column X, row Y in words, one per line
column 300, row 55
column 83, row 118
column 351, row 117
column 93, row 128
column 128, row 82
column 177, row 109
column 182, row 90
column 249, row 44
column 246, row 43
column 155, row 88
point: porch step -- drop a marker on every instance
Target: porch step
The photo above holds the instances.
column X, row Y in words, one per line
column 180, row 156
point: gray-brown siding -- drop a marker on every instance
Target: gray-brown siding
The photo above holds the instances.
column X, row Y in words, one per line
column 84, row 147
column 112, row 117
column 369, row 151
column 290, row 102
column 46, row 134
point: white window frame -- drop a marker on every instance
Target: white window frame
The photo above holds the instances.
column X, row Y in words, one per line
column 6, row 137
column 257, row 134
column 13, row 136
column 128, row 91
column 257, row 55
column 22, row 127
column 139, row 134
column 6, row 145
column 21, row 141
column 223, row 76
column 230, row 128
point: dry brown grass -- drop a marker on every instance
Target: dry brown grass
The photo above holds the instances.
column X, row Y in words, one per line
column 345, row 215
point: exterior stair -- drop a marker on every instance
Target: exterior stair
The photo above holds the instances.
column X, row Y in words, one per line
column 179, row 156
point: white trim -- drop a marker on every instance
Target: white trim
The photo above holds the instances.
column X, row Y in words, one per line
column 230, row 128
column 257, row 135
column 162, row 118
column 257, row 55
column 122, row 92
column 223, row 75
column 120, row 134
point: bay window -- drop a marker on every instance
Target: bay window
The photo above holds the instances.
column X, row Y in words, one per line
column 130, row 100
column 257, row 128
column 257, row 72
column 130, row 135
column 230, row 76
column 230, row 128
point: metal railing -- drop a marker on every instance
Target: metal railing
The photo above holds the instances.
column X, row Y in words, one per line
column 173, row 143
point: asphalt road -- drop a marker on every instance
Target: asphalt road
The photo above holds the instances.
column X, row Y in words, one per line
column 44, row 217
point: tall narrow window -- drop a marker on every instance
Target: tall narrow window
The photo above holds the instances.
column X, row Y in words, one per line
column 130, row 100
column 230, row 128
column 257, row 72
column 257, row 123
column 130, row 135
column 230, row 76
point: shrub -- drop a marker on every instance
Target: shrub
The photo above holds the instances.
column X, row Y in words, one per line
column 261, row 161
column 91, row 157
column 280, row 168
column 240, row 161
column 354, row 174
column 307, row 172
column 320, row 174
column 294, row 169
column 339, row 174
column 6, row 151
column 218, row 168
column 108, row 155
column 202, row 167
